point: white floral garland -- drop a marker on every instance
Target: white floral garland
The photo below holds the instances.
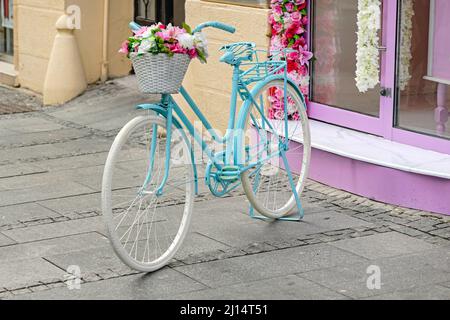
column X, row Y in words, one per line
column 368, row 55
column 407, row 14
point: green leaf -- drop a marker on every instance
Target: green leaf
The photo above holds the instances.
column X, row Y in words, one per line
column 187, row 28
column 201, row 56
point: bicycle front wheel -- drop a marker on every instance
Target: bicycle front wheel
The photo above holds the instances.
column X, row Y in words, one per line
column 280, row 161
column 147, row 219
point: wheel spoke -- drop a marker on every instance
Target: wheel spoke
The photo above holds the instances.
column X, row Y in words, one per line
column 146, row 228
column 267, row 185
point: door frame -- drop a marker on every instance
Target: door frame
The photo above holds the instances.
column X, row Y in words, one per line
column 383, row 124
column 8, row 32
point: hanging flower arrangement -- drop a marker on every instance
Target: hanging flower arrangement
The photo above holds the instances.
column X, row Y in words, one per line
column 368, row 55
column 289, row 20
column 407, row 14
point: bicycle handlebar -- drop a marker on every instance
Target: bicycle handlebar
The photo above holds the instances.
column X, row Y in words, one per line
column 214, row 24
column 134, row 26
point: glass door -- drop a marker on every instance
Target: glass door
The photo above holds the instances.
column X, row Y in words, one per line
column 423, row 102
column 335, row 97
column 6, row 31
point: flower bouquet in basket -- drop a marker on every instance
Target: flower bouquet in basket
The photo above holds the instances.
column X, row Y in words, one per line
column 161, row 55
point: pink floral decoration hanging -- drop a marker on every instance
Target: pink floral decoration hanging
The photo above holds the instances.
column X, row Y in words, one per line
column 289, row 23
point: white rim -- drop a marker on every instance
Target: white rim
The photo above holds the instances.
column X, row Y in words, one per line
column 246, row 181
column 121, row 138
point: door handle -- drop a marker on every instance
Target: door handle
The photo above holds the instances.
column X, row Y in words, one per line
column 381, row 48
column 386, row 92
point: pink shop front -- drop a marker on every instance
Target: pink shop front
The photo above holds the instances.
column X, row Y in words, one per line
column 378, row 99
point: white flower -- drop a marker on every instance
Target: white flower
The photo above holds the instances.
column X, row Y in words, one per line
column 146, row 45
column 201, row 43
column 186, row 40
column 304, row 82
column 200, row 40
column 367, row 55
column 155, row 26
column 405, row 43
column 147, row 33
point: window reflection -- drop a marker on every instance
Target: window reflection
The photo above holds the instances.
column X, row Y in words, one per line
column 424, row 67
column 334, row 45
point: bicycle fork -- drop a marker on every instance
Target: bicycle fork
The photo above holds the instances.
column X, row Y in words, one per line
column 154, row 145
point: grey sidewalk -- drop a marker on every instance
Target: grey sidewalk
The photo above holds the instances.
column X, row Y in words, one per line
column 51, row 162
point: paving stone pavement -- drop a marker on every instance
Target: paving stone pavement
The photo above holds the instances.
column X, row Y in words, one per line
column 51, row 162
column 18, row 101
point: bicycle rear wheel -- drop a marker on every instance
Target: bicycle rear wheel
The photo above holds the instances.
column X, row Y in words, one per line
column 147, row 227
column 270, row 185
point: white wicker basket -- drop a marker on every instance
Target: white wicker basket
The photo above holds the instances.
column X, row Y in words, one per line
column 160, row 73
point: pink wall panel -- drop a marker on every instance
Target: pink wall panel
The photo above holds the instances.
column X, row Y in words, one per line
column 379, row 183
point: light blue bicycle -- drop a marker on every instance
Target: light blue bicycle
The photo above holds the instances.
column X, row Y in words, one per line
column 151, row 178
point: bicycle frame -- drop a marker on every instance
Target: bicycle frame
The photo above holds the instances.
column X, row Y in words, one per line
column 260, row 73
column 168, row 106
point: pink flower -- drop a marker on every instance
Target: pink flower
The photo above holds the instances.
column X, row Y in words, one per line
column 305, row 56
column 293, row 55
column 296, row 116
column 300, row 3
column 279, row 115
column 296, row 16
column 303, row 70
column 277, row 10
column 193, row 53
column 141, row 32
column 277, row 27
column 304, row 90
column 289, row 6
column 176, row 48
column 163, row 35
column 271, row 19
column 271, row 114
column 305, row 20
column 124, row 49
column 275, row 44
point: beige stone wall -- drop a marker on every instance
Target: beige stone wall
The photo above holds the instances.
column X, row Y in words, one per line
column 121, row 14
column 210, row 84
column 35, row 32
column 90, row 36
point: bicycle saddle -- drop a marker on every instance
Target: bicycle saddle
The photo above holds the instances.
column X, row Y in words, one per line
column 235, row 53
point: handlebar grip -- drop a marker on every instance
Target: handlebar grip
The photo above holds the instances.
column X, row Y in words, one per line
column 134, row 26
column 217, row 25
